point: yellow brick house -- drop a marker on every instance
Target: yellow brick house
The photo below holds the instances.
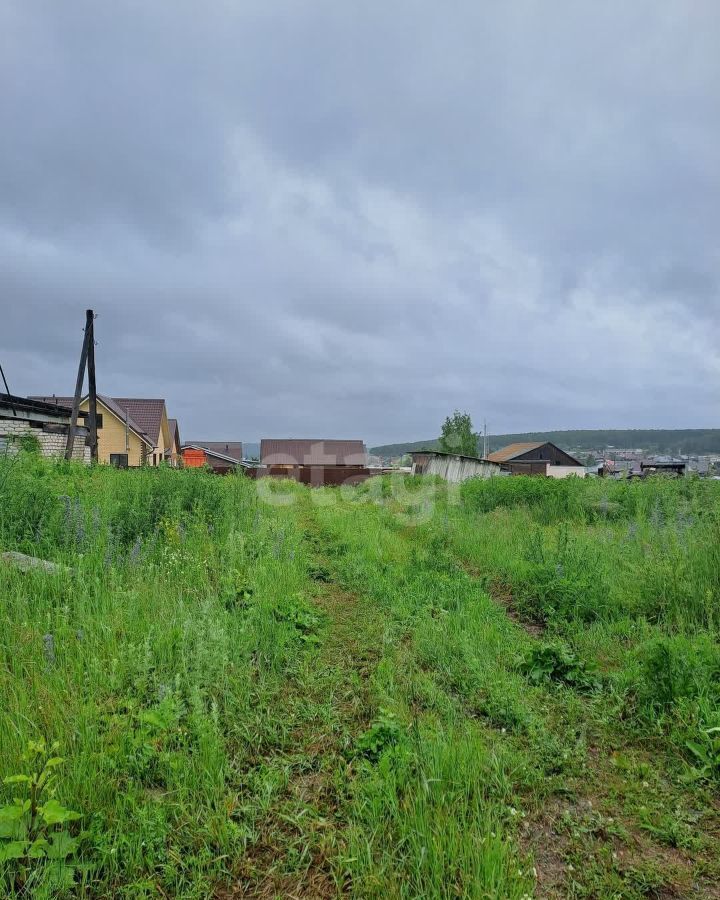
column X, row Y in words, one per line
column 152, row 418
column 132, row 431
column 173, row 453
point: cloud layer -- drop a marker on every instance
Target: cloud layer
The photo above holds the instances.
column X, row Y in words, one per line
column 334, row 220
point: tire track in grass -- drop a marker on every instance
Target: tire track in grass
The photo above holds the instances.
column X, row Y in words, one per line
column 582, row 842
column 620, row 820
column 583, row 838
column 301, row 834
column 501, row 594
column 438, row 822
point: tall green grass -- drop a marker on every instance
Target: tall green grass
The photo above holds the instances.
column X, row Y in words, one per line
column 149, row 658
column 178, row 654
column 600, row 549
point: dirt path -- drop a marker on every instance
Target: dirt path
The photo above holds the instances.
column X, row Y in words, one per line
column 595, row 816
column 586, row 828
column 502, row 595
column 327, row 704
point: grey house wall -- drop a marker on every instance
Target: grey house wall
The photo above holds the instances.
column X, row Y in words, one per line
column 51, row 438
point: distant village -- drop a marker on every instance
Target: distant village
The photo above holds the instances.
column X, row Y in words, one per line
column 139, row 432
column 634, row 463
column 606, row 462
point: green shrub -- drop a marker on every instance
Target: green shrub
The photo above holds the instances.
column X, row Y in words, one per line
column 29, row 443
column 555, row 662
column 385, row 734
column 676, row 668
column 302, row 616
column 563, row 580
column 549, row 499
column 681, row 588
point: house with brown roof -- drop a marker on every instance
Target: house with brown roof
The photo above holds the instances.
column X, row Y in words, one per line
column 537, row 458
column 131, row 431
column 173, row 454
column 290, row 452
column 152, row 417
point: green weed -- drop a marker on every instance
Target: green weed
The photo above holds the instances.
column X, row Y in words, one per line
column 385, row 734
column 37, row 847
column 554, row 662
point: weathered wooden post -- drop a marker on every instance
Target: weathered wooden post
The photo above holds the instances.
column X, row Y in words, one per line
column 92, row 392
column 89, row 315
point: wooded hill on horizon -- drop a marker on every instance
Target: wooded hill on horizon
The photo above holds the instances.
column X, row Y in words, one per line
column 692, row 441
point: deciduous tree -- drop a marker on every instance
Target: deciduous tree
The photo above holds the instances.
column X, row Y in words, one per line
column 457, row 435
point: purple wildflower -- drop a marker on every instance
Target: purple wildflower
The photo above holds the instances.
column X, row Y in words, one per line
column 135, row 551
column 49, row 649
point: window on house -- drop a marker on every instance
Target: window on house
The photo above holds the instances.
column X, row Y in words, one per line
column 119, row 460
column 98, row 420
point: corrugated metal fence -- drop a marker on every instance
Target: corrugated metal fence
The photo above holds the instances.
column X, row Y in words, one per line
column 459, row 468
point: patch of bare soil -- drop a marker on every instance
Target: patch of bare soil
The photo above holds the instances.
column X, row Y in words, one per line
column 264, row 884
column 542, row 838
column 581, row 838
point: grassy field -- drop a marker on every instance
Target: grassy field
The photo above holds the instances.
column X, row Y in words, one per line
column 236, row 689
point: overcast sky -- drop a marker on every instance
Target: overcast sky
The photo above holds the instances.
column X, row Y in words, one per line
column 346, row 219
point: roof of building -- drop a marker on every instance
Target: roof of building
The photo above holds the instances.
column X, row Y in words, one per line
column 108, row 403
column 513, row 450
column 414, row 453
column 294, row 452
column 64, row 402
column 208, row 451
column 229, row 449
column 147, row 413
column 36, row 404
column 174, row 432
column 663, row 464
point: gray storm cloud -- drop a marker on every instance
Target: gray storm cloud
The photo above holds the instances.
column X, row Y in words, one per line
column 322, row 219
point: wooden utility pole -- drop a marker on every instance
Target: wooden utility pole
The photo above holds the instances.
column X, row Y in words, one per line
column 88, row 349
column 92, row 398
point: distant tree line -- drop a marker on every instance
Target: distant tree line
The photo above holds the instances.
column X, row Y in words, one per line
column 693, row 441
